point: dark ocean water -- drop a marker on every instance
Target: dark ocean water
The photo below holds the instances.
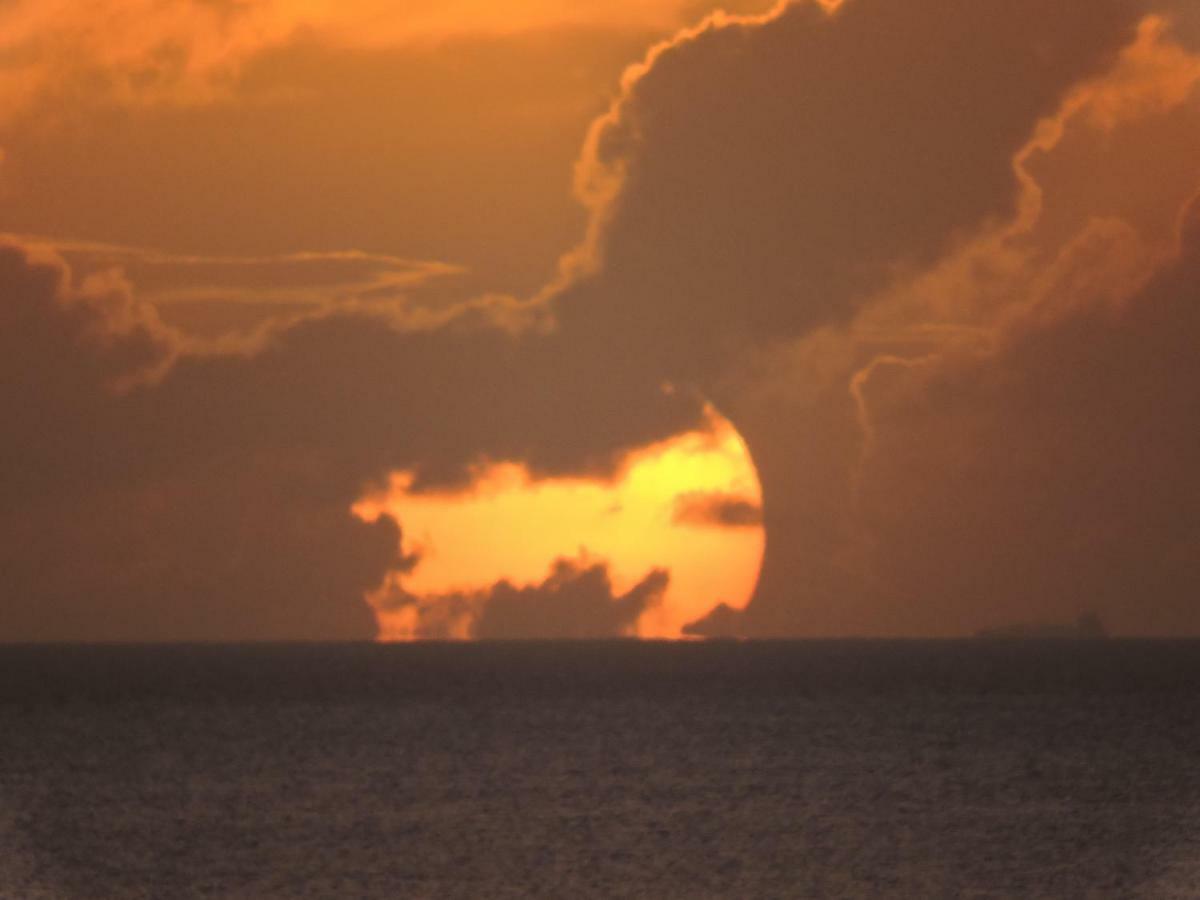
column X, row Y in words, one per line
column 836, row 769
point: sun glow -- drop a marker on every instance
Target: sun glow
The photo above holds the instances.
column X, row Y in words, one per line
column 509, row 526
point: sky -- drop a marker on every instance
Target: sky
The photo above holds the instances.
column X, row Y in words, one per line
column 364, row 320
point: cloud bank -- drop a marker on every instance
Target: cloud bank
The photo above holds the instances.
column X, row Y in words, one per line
column 151, row 493
column 802, row 212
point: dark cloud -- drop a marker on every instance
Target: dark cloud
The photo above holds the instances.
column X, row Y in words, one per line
column 759, row 183
column 1053, row 474
column 1032, row 475
column 761, row 179
column 237, row 550
column 115, row 528
column 575, row 601
column 149, row 493
column 113, row 337
column 216, row 321
column 716, row 511
column 866, row 535
column 722, row 621
column 762, row 188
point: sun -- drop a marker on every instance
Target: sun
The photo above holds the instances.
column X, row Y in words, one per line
column 689, row 505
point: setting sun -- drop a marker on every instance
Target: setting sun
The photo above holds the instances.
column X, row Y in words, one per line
column 688, row 505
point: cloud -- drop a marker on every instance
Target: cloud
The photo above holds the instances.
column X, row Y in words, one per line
column 576, row 600
column 219, row 295
column 991, row 465
column 716, row 511
column 722, row 621
column 1053, row 472
column 761, row 178
column 885, row 529
column 316, row 277
column 152, row 493
column 800, row 216
column 112, row 530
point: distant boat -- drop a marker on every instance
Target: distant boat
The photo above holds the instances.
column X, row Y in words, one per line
column 1087, row 627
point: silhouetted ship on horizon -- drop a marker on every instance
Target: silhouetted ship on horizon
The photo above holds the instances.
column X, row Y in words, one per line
column 1087, row 627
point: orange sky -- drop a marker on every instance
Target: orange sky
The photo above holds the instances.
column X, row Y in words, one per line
column 188, row 51
column 335, row 319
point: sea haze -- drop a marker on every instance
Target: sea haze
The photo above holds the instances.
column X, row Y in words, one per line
column 784, row 769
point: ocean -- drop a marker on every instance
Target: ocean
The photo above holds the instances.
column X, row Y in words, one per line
column 1054, row 769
